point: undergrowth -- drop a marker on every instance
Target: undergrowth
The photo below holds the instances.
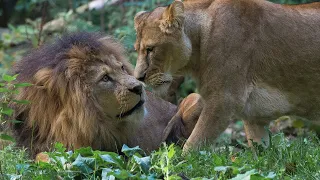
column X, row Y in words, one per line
column 284, row 159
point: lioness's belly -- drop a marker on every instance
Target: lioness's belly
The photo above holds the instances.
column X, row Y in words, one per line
column 267, row 103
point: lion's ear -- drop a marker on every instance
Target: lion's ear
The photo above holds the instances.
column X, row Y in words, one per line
column 172, row 17
column 42, row 77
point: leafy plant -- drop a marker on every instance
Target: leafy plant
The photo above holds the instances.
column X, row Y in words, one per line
column 7, row 89
column 86, row 163
column 295, row 159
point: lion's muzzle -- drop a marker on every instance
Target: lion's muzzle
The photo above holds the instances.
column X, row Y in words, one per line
column 136, row 107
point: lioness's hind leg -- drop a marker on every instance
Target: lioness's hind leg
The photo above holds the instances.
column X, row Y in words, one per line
column 190, row 108
column 184, row 121
column 256, row 132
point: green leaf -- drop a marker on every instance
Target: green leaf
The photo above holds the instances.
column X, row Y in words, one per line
column 12, row 176
column 109, row 159
column 61, row 160
column 21, row 101
column 59, row 147
column 171, row 151
column 8, row 78
column 175, row 177
column 298, row 123
column 222, row 168
column 84, row 151
column 120, row 174
column 257, row 177
column 2, row 90
column 105, row 172
column 217, row 160
column 84, row 164
column 15, row 91
column 250, row 175
column 113, row 159
column 144, row 163
column 15, row 121
column 7, row 111
column 22, row 167
column 22, row 85
column 45, row 165
column 130, row 151
column 7, row 137
column 271, row 175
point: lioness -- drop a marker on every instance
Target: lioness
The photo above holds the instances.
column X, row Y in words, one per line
column 251, row 59
column 84, row 94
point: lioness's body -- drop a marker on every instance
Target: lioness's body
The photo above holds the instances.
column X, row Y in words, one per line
column 252, row 59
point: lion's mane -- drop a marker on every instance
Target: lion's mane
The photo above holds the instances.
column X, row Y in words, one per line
column 62, row 107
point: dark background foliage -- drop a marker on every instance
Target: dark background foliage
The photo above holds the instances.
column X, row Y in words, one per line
column 24, row 24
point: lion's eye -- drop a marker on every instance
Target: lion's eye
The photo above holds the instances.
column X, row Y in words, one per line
column 105, row 78
column 122, row 67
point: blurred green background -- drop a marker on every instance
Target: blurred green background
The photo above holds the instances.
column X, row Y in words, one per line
column 26, row 24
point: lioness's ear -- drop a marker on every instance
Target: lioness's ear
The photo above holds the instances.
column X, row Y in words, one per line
column 172, row 17
column 138, row 18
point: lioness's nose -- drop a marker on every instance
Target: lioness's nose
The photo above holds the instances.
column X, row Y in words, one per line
column 142, row 77
column 137, row 89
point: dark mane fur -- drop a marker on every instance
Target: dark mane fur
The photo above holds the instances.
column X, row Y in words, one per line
column 62, row 108
column 50, row 55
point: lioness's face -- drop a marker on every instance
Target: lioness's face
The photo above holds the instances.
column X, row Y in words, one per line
column 119, row 94
column 162, row 45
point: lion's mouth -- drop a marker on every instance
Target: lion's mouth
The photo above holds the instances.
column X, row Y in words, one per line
column 137, row 106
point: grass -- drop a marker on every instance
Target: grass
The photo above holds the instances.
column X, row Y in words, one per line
column 284, row 159
column 297, row 159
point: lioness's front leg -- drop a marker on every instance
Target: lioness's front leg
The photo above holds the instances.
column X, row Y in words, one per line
column 210, row 125
column 217, row 112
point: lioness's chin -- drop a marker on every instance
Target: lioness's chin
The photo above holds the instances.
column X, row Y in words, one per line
column 161, row 89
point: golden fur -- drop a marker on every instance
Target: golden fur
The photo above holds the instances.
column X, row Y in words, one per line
column 251, row 59
column 83, row 94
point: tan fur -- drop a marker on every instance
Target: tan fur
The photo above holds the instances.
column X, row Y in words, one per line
column 251, row 59
column 71, row 104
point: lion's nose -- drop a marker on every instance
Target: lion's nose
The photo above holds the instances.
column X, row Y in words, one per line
column 137, row 89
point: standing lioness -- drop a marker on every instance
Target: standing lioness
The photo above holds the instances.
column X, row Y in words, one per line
column 252, row 59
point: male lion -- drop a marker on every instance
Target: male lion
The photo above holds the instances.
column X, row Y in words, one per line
column 251, row 59
column 84, row 95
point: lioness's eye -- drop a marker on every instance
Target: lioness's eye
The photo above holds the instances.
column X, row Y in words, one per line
column 149, row 49
column 105, row 78
column 122, row 67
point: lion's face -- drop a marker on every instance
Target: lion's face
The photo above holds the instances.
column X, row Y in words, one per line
column 118, row 93
column 162, row 45
column 101, row 78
